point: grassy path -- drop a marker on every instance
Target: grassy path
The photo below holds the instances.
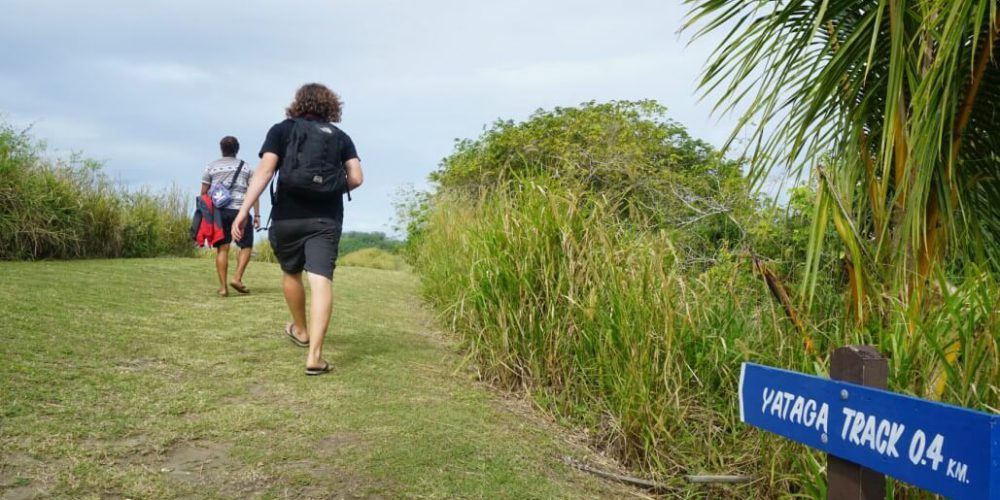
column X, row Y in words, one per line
column 130, row 379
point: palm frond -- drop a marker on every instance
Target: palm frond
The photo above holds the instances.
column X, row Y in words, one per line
column 889, row 89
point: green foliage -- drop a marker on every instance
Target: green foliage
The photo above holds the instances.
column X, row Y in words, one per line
column 67, row 209
column 614, row 317
column 412, row 209
column 357, row 249
column 616, row 146
column 628, row 151
column 373, row 250
column 262, row 252
column 598, row 257
column 894, row 106
column 373, row 258
column 555, row 294
column 904, row 96
column 781, row 235
column 352, row 241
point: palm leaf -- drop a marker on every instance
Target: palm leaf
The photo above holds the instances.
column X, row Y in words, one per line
column 883, row 87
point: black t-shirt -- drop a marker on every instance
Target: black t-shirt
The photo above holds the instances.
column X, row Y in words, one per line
column 290, row 207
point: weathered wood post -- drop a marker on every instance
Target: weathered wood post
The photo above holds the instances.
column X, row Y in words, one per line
column 861, row 365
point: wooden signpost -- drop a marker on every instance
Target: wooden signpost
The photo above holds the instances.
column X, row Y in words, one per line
column 861, row 365
column 868, row 431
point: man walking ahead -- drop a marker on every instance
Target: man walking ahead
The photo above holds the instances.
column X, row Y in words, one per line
column 234, row 174
column 317, row 164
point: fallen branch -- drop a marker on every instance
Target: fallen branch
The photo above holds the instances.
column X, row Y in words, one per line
column 634, row 481
column 652, row 485
column 718, row 479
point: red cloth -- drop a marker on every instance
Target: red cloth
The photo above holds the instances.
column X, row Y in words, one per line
column 210, row 226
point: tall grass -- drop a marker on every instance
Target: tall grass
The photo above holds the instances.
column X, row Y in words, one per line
column 262, row 251
column 594, row 316
column 555, row 296
column 62, row 209
column 373, row 258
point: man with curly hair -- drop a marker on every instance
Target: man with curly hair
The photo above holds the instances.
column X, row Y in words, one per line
column 305, row 231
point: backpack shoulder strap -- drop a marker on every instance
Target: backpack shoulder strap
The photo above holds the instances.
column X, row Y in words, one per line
column 296, row 136
column 235, row 176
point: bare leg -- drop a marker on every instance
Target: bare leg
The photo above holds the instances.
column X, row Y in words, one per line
column 321, row 293
column 242, row 259
column 295, row 297
column 222, row 267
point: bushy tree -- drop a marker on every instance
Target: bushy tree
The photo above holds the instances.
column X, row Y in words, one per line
column 624, row 150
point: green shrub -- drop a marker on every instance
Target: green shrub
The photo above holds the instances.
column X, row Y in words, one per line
column 609, row 316
column 64, row 209
column 555, row 294
column 626, row 150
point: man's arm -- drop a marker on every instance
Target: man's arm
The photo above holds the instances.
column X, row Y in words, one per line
column 261, row 176
column 206, row 181
column 355, row 177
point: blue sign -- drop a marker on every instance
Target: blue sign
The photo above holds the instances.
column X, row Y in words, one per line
column 941, row 448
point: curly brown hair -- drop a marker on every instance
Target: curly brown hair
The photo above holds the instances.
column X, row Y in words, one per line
column 315, row 99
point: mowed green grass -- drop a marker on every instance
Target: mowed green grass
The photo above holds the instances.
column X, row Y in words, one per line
column 131, row 379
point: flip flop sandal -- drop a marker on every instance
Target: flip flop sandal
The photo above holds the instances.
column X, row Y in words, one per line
column 239, row 287
column 290, row 332
column 318, row 371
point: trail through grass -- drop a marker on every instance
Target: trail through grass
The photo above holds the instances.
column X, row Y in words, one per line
column 131, row 379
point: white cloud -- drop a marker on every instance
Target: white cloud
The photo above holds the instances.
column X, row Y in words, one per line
column 151, row 88
column 170, row 73
column 59, row 130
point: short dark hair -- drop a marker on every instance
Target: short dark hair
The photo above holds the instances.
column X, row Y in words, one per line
column 229, row 146
column 315, row 99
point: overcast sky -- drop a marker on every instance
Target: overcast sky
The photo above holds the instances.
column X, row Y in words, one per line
column 150, row 87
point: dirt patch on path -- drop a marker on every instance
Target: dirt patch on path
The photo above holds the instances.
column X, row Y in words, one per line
column 199, row 461
column 208, row 465
column 337, row 443
column 20, row 476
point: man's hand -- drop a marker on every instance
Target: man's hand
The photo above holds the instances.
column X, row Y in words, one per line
column 238, row 226
column 256, row 221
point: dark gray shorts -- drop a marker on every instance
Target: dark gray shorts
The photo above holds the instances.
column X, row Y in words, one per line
column 228, row 217
column 309, row 244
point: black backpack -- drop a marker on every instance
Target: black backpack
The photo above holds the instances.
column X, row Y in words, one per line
column 311, row 167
